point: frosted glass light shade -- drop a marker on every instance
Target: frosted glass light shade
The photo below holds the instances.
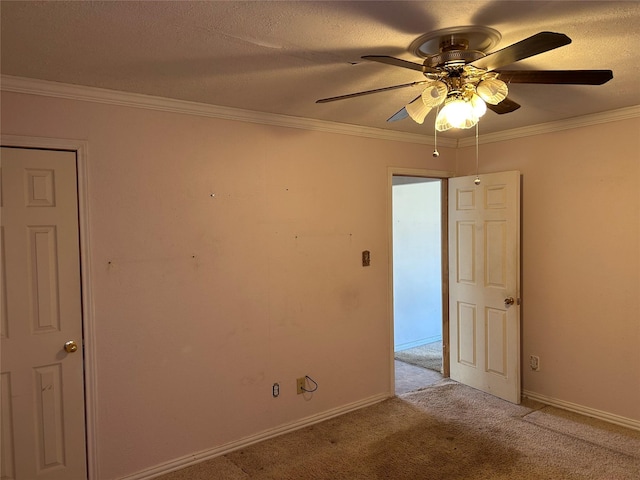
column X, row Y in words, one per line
column 417, row 110
column 435, row 94
column 492, row 90
column 457, row 113
column 478, row 105
column 442, row 124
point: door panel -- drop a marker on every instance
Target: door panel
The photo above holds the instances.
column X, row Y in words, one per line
column 466, row 338
column 484, row 235
column 43, row 427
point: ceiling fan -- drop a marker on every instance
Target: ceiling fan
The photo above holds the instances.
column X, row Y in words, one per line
column 465, row 81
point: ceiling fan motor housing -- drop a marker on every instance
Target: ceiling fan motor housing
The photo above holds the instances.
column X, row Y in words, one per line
column 471, row 37
column 460, row 57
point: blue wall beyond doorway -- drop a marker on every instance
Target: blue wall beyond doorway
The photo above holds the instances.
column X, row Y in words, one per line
column 417, row 267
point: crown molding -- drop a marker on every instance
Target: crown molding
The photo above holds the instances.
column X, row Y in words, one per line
column 113, row 97
column 550, row 127
column 47, row 88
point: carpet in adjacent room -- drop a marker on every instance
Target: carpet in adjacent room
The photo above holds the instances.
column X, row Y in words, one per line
column 424, row 356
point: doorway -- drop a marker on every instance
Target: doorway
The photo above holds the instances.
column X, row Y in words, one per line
column 481, row 220
column 418, row 286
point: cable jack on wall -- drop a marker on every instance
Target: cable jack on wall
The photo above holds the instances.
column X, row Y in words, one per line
column 302, row 385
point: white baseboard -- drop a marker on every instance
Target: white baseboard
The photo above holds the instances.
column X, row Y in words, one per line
column 201, row 456
column 590, row 412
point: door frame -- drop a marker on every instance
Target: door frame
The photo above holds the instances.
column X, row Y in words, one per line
column 80, row 147
column 444, row 201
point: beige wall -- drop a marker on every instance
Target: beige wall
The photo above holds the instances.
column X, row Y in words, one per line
column 581, row 260
column 202, row 303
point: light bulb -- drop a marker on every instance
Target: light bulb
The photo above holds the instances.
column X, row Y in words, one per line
column 492, row 90
column 457, row 113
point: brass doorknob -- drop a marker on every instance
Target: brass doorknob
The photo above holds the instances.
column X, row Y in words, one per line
column 70, row 346
column 509, row 301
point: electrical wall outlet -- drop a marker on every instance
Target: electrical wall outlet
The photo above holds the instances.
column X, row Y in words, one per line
column 300, row 385
column 534, row 362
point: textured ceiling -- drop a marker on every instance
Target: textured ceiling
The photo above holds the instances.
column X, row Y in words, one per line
column 280, row 57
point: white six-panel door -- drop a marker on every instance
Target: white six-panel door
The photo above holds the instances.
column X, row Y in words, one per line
column 42, row 394
column 484, row 283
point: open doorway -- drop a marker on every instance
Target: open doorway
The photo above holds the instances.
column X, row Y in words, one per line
column 417, row 239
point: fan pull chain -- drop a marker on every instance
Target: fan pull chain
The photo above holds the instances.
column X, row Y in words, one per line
column 436, row 154
column 477, row 180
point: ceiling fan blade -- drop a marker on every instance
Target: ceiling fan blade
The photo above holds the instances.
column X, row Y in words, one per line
column 399, row 115
column 571, row 77
column 538, row 43
column 368, row 92
column 398, row 62
column 505, row 106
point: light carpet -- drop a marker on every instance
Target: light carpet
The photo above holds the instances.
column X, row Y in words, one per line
column 447, row 431
column 425, row 356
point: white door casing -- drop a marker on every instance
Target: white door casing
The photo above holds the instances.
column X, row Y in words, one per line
column 484, row 273
column 432, row 174
column 43, row 415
